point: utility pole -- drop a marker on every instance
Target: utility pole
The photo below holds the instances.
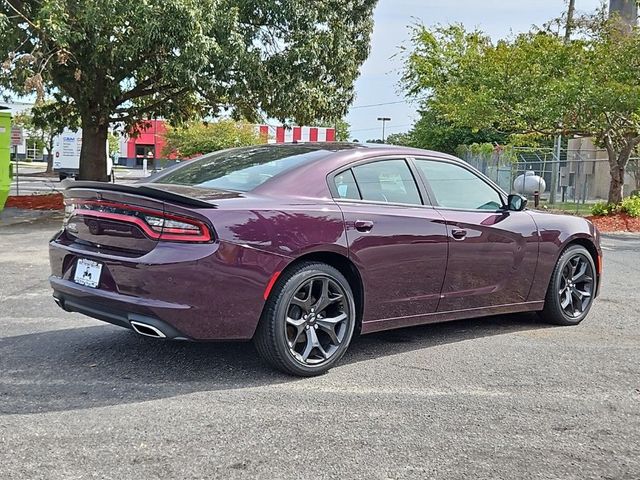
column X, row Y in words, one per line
column 384, row 120
column 627, row 9
column 557, row 146
column 570, row 14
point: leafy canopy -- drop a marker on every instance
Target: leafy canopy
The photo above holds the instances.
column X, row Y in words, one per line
column 433, row 132
column 534, row 83
column 129, row 60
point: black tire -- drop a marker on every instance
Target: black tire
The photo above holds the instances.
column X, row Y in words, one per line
column 62, row 176
column 271, row 337
column 553, row 311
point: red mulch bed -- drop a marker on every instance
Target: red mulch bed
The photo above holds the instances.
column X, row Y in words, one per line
column 36, row 202
column 620, row 222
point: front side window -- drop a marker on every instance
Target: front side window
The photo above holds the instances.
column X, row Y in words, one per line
column 457, row 187
column 388, row 181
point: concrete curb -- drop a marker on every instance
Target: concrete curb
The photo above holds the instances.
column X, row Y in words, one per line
column 16, row 216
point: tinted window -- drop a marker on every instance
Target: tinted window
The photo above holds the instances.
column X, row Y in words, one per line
column 241, row 169
column 346, row 185
column 387, row 181
column 457, row 187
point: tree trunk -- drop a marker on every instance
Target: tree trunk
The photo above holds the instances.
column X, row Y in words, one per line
column 50, row 154
column 93, row 154
column 569, row 27
column 617, row 183
column 619, row 155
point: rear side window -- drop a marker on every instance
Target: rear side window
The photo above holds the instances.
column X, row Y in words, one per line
column 346, row 185
column 387, row 181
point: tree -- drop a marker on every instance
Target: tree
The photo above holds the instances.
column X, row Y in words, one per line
column 403, row 139
column 434, row 132
column 342, row 129
column 127, row 61
column 198, row 137
column 536, row 83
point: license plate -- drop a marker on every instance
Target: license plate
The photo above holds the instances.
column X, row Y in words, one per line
column 87, row 273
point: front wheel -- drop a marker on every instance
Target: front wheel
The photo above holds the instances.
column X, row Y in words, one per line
column 571, row 289
column 308, row 321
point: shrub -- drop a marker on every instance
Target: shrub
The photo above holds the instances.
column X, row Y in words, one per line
column 602, row 208
column 631, row 206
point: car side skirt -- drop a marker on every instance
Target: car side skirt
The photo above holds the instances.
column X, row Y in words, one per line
column 400, row 322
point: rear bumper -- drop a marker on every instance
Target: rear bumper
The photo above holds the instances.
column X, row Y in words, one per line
column 108, row 307
column 194, row 292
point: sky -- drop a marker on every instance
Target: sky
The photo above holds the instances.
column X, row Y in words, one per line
column 380, row 74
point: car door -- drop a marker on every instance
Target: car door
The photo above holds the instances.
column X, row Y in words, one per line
column 398, row 243
column 493, row 252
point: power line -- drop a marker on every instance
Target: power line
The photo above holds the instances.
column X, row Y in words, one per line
column 386, row 103
column 378, row 128
column 379, row 104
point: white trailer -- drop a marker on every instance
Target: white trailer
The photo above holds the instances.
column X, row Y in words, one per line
column 66, row 154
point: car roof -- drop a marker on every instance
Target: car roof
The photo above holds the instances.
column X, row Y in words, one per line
column 309, row 179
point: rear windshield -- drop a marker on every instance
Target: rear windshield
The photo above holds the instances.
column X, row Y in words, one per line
column 241, row 169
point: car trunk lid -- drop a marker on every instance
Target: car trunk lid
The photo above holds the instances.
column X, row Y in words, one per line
column 130, row 220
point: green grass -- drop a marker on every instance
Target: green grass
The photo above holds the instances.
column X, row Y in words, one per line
column 582, row 209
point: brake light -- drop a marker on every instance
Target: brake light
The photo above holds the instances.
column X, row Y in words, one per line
column 156, row 224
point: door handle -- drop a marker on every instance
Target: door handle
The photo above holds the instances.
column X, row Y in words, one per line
column 458, row 233
column 364, row 225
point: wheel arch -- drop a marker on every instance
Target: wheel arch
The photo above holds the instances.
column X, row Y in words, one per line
column 345, row 266
column 596, row 256
column 587, row 243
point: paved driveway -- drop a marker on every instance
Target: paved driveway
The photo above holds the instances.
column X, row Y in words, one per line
column 504, row 397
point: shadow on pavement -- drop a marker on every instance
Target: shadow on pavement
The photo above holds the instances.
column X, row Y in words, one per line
column 104, row 365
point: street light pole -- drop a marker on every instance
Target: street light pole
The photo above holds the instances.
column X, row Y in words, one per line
column 384, row 120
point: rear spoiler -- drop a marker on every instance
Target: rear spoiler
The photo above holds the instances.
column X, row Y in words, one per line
column 141, row 189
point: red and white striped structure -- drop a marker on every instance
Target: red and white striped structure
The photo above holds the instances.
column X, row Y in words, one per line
column 297, row 134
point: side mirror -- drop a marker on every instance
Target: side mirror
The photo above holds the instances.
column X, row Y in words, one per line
column 516, row 202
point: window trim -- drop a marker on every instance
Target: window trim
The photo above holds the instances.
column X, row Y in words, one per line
column 422, row 193
column 479, row 175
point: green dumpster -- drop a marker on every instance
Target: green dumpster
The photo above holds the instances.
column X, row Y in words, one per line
column 5, row 149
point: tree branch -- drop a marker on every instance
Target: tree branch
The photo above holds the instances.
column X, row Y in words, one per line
column 133, row 111
column 141, row 89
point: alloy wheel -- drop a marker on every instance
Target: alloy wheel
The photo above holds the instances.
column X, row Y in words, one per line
column 576, row 286
column 317, row 321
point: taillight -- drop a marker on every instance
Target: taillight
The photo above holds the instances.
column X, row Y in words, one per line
column 155, row 224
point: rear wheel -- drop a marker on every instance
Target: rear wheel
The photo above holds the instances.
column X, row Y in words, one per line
column 308, row 321
column 571, row 289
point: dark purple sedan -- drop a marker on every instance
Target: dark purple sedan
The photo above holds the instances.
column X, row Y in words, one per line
column 301, row 246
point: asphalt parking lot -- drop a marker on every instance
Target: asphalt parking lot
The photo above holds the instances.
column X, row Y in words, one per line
column 504, row 397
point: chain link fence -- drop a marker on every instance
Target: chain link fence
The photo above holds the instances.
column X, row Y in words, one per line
column 572, row 182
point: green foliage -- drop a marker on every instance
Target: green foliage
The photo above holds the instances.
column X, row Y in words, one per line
column 631, row 206
column 129, row 60
column 341, row 126
column 198, row 138
column 602, row 208
column 495, row 154
column 114, row 143
column 534, row 83
column 42, row 124
column 403, row 139
column 433, row 132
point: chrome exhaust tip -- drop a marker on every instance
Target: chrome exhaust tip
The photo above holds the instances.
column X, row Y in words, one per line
column 146, row 329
